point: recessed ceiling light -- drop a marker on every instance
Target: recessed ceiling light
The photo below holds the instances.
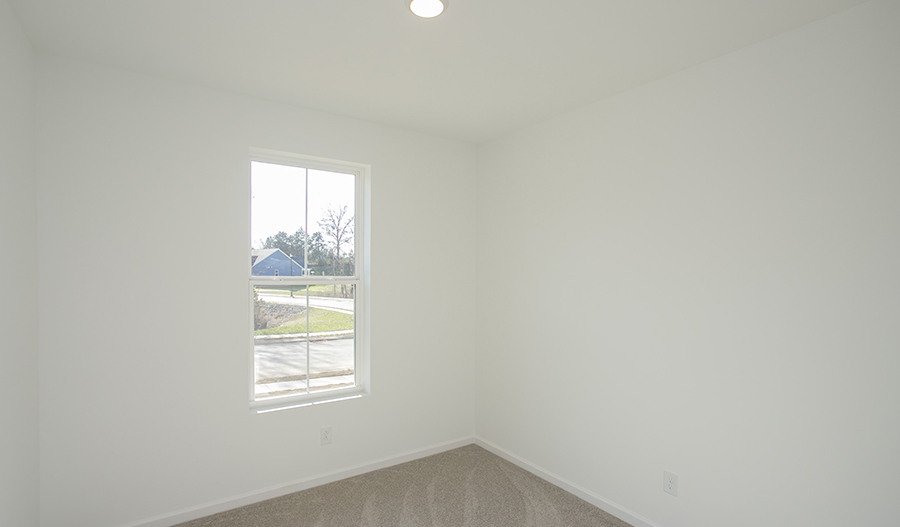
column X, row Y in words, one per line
column 427, row 8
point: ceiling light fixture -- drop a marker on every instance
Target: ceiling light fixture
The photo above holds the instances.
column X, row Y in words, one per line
column 427, row 8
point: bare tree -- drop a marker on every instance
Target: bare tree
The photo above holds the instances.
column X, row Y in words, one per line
column 338, row 228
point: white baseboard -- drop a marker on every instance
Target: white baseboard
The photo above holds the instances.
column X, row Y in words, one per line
column 602, row 503
column 168, row 520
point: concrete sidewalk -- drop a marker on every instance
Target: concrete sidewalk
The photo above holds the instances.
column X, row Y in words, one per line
column 322, row 335
column 299, row 386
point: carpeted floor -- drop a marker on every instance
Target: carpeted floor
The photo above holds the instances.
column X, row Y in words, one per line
column 466, row 487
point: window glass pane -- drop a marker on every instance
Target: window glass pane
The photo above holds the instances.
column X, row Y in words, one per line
column 332, row 202
column 279, row 340
column 294, row 358
column 332, row 353
column 277, row 219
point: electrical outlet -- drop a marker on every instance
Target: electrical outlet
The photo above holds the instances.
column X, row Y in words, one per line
column 325, row 436
column 670, row 482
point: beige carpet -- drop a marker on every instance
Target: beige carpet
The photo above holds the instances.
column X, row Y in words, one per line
column 466, row 487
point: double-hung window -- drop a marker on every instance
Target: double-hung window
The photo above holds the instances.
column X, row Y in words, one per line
column 307, row 262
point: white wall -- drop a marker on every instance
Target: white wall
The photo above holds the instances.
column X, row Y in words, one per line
column 143, row 200
column 703, row 275
column 18, row 279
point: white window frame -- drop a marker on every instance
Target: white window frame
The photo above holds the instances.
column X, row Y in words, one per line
column 360, row 279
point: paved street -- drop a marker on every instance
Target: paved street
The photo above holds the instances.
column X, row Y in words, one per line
column 284, row 359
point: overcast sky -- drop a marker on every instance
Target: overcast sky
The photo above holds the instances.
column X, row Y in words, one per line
column 278, row 195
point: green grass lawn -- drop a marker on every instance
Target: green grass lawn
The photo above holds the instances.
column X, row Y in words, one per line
column 319, row 320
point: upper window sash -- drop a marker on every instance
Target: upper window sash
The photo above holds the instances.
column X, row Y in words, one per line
column 313, row 166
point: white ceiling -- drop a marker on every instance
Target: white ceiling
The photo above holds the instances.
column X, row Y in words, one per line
column 481, row 69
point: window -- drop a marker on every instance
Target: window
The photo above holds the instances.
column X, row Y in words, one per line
column 307, row 272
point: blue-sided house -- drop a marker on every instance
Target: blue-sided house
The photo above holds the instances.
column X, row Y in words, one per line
column 274, row 262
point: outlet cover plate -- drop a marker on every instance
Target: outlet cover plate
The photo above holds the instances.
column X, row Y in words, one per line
column 670, row 482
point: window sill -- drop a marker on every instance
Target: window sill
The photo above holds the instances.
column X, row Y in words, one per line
column 276, row 404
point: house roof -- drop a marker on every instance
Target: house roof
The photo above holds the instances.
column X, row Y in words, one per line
column 258, row 256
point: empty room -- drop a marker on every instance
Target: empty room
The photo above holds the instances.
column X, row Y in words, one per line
column 450, row 263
